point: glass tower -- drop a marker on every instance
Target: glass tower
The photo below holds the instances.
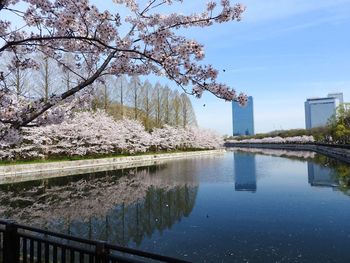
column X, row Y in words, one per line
column 318, row 111
column 243, row 118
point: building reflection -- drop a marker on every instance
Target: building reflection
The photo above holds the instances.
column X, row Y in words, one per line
column 321, row 176
column 245, row 172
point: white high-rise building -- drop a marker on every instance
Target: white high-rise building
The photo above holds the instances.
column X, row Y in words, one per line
column 338, row 95
column 318, row 111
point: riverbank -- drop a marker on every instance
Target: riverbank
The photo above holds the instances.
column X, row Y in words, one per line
column 37, row 171
column 338, row 152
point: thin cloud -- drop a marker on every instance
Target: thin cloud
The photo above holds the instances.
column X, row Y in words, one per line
column 261, row 11
column 245, row 69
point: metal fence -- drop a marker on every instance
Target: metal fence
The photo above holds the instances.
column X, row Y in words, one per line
column 20, row 243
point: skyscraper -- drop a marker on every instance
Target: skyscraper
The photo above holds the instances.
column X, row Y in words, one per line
column 243, row 118
column 338, row 95
column 318, row 111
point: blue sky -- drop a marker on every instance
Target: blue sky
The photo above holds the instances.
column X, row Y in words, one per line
column 282, row 52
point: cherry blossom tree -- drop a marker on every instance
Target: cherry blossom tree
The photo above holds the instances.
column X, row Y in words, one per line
column 171, row 138
column 277, row 139
column 95, row 133
column 56, row 28
column 166, row 138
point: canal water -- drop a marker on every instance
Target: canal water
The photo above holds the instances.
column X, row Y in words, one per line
column 242, row 206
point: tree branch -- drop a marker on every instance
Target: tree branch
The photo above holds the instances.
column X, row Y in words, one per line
column 48, row 105
column 2, row 4
column 40, row 39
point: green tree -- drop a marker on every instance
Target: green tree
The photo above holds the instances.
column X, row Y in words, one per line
column 340, row 124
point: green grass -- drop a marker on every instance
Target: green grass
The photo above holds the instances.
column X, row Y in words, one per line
column 79, row 158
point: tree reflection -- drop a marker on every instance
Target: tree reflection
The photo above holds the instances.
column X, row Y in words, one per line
column 338, row 172
column 158, row 211
column 299, row 155
column 117, row 207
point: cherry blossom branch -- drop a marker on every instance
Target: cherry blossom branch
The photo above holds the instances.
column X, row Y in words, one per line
column 26, row 120
column 50, row 38
column 80, row 29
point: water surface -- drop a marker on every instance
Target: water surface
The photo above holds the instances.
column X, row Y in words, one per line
column 236, row 207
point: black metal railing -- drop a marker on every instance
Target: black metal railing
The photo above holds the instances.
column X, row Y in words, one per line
column 20, row 243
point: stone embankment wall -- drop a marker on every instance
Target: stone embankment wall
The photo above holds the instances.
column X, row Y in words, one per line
column 29, row 172
column 341, row 153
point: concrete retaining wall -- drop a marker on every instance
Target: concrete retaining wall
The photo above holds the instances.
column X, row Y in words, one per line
column 29, row 172
column 340, row 153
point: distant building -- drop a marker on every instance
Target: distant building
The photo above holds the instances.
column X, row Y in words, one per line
column 243, row 118
column 338, row 95
column 318, row 111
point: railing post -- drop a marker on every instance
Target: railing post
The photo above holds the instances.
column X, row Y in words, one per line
column 11, row 243
column 101, row 252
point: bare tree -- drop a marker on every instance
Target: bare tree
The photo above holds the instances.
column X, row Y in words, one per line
column 146, row 103
column 46, row 78
column 157, row 99
column 17, row 78
column 166, row 100
column 105, row 96
column 69, row 79
column 121, row 87
column 176, row 109
column 19, row 81
column 187, row 113
column 134, row 96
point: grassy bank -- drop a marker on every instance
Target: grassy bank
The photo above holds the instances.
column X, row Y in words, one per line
column 89, row 157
